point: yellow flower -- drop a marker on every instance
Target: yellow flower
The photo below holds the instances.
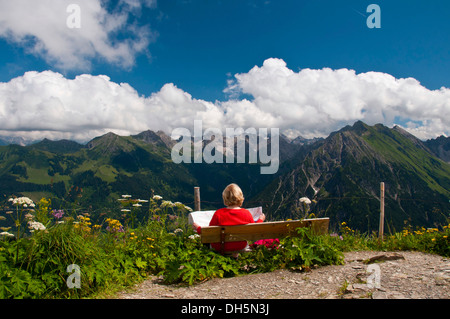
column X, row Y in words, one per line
column 433, row 239
column 444, row 236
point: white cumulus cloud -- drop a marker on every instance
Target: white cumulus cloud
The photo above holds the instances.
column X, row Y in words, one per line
column 316, row 102
column 307, row 102
column 46, row 104
column 40, row 26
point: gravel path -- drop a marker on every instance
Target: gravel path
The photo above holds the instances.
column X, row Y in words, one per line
column 402, row 275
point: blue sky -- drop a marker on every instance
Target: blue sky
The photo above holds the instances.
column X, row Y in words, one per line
column 200, row 45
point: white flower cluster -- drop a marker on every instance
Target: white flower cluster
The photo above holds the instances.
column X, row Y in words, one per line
column 193, row 237
column 157, row 197
column 5, row 233
column 167, row 203
column 35, row 226
column 24, row 201
column 305, row 200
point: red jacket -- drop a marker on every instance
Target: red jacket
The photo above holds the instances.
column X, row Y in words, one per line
column 230, row 217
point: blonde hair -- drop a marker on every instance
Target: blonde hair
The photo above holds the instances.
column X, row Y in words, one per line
column 232, row 195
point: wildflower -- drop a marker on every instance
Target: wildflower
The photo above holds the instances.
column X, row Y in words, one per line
column 178, row 230
column 137, row 205
column 166, row 203
column 444, row 236
column 156, row 197
column 58, row 214
column 6, row 234
column 35, row 226
column 433, row 239
column 83, row 224
column 114, row 226
column 305, row 200
column 193, row 237
column 23, row 201
column 126, row 196
column 125, row 210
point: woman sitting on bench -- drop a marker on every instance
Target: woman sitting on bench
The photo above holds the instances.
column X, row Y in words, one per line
column 231, row 215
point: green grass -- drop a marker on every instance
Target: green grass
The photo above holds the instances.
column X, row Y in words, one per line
column 399, row 149
column 107, row 173
column 40, row 176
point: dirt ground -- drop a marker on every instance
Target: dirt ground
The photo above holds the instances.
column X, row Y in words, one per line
column 399, row 275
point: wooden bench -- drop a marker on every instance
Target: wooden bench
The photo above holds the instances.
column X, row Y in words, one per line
column 265, row 230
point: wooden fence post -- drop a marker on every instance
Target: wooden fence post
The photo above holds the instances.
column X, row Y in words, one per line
column 381, row 229
column 197, row 198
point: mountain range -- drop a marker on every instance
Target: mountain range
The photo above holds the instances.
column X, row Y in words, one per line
column 341, row 174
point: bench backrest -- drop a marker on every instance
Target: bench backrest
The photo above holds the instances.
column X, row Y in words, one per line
column 252, row 232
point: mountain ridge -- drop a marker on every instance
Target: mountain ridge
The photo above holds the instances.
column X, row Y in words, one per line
column 350, row 163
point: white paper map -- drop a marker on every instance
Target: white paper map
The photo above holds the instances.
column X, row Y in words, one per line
column 204, row 217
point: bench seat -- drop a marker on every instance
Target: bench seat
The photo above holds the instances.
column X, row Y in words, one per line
column 265, row 230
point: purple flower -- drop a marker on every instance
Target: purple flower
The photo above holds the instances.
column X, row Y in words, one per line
column 58, row 214
column 115, row 229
